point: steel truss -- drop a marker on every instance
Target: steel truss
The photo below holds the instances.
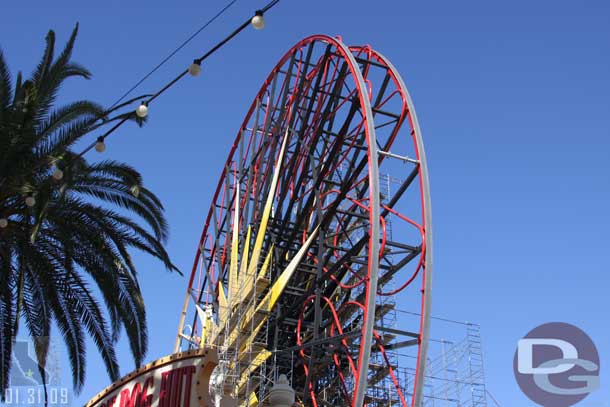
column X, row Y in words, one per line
column 295, row 258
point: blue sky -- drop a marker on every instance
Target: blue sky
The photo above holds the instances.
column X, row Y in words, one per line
column 514, row 103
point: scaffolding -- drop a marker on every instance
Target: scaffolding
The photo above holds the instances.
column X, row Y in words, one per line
column 249, row 342
column 455, row 373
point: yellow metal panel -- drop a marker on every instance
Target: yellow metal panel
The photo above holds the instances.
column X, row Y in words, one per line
column 280, row 284
column 222, row 298
column 233, row 275
column 262, row 230
column 261, row 356
column 252, row 401
column 205, row 331
column 244, row 256
column 268, row 302
column 247, row 286
column 247, row 344
column 263, row 271
column 247, row 274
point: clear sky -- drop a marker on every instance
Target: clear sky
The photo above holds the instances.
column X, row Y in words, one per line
column 514, row 102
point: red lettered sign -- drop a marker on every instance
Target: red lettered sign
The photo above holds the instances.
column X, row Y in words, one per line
column 179, row 380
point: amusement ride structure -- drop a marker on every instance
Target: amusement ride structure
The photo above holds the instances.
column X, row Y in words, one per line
column 319, row 224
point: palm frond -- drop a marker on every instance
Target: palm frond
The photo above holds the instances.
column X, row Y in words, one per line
column 79, row 110
column 66, row 260
column 120, row 194
column 6, row 92
column 132, row 302
column 47, row 59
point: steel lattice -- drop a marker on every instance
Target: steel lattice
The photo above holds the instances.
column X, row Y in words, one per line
column 296, row 260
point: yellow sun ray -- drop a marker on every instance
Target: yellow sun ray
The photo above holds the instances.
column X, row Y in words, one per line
column 262, row 230
column 244, row 257
column 251, row 402
column 270, row 299
column 233, row 275
column 261, row 356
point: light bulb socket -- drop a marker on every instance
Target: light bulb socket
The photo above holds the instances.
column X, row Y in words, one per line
column 195, row 68
column 100, row 146
column 142, row 110
column 258, row 21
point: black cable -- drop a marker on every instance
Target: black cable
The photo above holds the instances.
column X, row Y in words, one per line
column 183, row 73
column 103, row 136
column 269, row 5
column 199, row 60
column 174, row 52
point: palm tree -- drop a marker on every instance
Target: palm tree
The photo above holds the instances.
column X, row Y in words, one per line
column 66, row 224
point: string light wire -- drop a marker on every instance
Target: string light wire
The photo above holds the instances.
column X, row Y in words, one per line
column 198, row 61
column 256, row 20
column 174, row 52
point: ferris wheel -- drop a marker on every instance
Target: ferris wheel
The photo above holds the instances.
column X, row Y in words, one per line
column 319, row 223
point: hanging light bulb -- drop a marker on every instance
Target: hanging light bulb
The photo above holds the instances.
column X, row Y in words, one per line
column 30, row 201
column 258, row 21
column 100, row 146
column 142, row 110
column 58, row 174
column 3, row 223
column 195, row 68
